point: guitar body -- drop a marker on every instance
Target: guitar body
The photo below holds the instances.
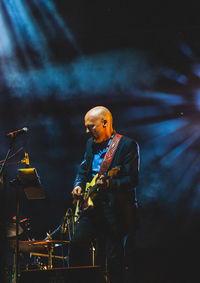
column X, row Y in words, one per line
column 90, row 193
column 86, row 202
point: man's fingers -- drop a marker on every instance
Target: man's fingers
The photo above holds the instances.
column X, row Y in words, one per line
column 77, row 192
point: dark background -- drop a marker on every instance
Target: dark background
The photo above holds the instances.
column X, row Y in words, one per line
column 142, row 61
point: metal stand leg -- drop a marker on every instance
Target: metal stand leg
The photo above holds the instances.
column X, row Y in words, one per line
column 93, row 254
column 50, row 259
column 17, row 237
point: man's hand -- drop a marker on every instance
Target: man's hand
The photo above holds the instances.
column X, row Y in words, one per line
column 102, row 181
column 77, row 192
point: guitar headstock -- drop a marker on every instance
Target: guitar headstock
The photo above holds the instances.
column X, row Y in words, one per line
column 114, row 171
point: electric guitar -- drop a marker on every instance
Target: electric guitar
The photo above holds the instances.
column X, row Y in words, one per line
column 90, row 193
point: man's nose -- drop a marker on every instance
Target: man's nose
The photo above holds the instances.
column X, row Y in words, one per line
column 87, row 131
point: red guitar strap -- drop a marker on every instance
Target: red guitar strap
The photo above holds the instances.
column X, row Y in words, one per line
column 109, row 154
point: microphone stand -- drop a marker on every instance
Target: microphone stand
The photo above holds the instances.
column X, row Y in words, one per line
column 2, row 205
column 17, row 185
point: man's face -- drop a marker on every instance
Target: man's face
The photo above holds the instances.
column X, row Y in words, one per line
column 95, row 127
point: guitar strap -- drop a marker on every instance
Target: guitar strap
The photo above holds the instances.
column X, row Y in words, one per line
column 109, row 154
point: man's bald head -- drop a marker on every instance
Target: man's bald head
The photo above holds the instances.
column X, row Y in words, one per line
column 101, row 112
column 98, row 122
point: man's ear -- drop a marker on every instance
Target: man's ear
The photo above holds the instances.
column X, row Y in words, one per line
column 104, row 123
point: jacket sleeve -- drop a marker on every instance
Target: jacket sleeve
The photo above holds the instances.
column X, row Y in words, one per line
column 82, row 176
column 129, row 162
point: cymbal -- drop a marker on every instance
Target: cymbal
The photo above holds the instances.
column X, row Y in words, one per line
column 25, row 246
column 47, row 255
column 49, row 242
column 11, row 230
column 28, row 246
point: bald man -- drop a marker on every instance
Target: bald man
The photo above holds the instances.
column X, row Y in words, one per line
column 112, row 216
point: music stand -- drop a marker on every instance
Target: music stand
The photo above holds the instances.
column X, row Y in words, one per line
column 28, row 180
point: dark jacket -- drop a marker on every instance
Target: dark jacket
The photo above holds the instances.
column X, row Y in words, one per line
column 122, row 190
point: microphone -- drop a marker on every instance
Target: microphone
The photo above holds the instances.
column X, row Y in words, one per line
column 17, row 133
